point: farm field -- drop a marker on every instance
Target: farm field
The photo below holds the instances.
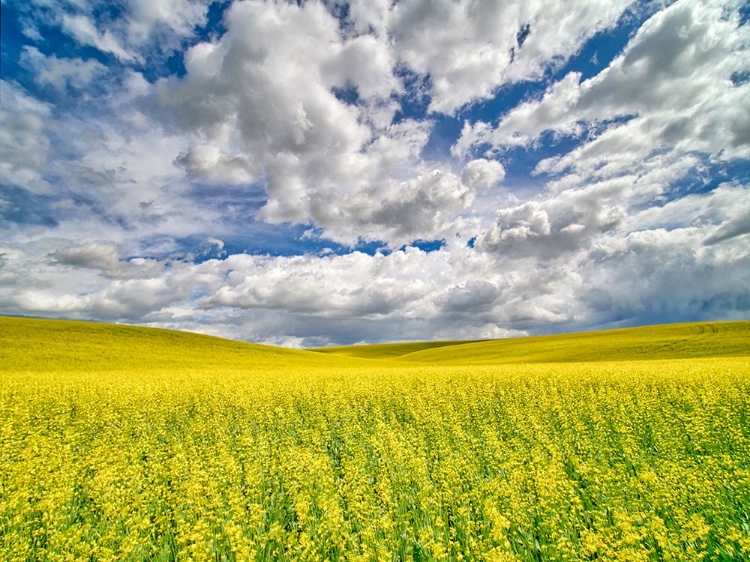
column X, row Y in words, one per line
column 124, row 443
column 667, row 341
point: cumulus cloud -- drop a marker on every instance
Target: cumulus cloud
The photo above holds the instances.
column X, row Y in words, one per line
column 206, row 162
column 551, row 227
column 165, row 18
column 93, row 179
column 353, row 285
column 140, row 29
column 672, row 88
column 667, row 99
column 469, row 49
column 105, row 257
column 399, row 212
column 482, row 173
column 24, row 144
column 261, row 107
column 409, row 292
column 61, row 73
column 733, row 206
column 262, row 104
column 648, row 272
column 179, row 199
column 661, row 276
column 83, row 30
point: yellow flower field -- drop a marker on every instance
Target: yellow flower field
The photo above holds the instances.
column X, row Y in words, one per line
column 355, row 459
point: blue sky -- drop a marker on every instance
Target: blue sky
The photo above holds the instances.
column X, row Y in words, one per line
column 329, row 172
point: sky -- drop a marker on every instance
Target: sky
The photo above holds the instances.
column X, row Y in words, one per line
column 314, row 173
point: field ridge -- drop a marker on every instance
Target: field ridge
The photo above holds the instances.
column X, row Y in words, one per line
column 661, row 341
column 32, row 344
column 35, row 344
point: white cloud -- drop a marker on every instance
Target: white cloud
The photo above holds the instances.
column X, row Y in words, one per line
column 528, row 120
column 665, row 100
column 141, row 29
column 660, row 276
column 672, row 86
column 24, row 144
column 61, row 73
column 177, row 17
column 260, row 106
column 551, row 227
column 365, row 62
column 258, row 99
column 406, row 293
column 105, row 258
column 207, row 163
column 482, row 173
column 97, row 255
column 117, row 203
column 470, row 49
column 83, row 30
column 399, row 211
column 581, row 276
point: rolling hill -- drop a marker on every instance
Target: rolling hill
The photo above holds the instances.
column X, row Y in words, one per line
column 131, row 443
column 28, row 344
column 666, row 341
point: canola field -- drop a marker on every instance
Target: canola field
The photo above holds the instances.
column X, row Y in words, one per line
column 120, row 443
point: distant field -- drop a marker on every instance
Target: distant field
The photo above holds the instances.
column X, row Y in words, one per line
column 668, row 341
column 28, row 344
column 123, row 443
column 389, row 350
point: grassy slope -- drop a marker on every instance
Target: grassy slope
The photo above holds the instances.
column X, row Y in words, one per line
column 389, row 350
column 59, row 345
column 62, row 345
column 668, row 341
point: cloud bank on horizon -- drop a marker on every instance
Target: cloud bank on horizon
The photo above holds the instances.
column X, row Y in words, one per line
column 308, row 173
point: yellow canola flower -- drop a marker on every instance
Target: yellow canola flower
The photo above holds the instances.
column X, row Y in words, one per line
column 345, row 460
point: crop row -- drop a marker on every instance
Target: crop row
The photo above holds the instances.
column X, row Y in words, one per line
column 618, row 461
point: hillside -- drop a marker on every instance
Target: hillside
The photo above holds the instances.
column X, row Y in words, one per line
column 131, row 443
column 667, row 341
column 389, row 350
column 29, row 344
column 61, row 345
